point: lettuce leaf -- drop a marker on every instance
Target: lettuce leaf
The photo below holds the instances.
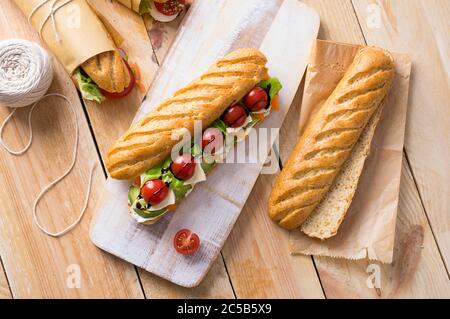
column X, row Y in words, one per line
column 272, row 85
column 144, row 7
column 179, row 188
column 89, row 90
column 220, row 124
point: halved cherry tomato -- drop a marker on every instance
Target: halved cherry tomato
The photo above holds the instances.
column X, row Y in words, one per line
column 126, row 91
column 186, row 242
column 169, row 8
column 154, row 191
column 212, row 140
column 234, row 116
column 256, row 99
column 183, row 167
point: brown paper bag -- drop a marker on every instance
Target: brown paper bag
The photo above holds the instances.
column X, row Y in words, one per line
column 369, row 227
column 81, row 34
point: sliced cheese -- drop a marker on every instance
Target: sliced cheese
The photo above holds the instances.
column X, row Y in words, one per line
column 199, row 176
column 169, row 200
column 264, row 112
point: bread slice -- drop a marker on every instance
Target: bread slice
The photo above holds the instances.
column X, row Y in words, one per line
column 325, row 220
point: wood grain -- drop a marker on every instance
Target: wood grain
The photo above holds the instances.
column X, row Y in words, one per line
column 5, row 293
column 162, row 34
column 37, row 264
column 420, row 28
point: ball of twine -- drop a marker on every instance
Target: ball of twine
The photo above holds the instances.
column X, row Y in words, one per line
column 26, row 72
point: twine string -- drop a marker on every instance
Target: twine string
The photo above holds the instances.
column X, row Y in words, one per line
column 26, row 73
column 51, row 15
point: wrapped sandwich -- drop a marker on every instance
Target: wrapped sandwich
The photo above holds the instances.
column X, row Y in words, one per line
column 81, row 43
column 160, row 10
column 229, row 99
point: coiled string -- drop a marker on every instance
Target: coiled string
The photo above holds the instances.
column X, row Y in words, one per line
column 26, row 73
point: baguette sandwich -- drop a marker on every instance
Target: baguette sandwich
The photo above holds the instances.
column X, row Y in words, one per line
column 106, row 75
column 229, row 99
column 320, row 176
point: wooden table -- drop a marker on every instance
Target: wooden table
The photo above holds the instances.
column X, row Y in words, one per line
column 255, row 261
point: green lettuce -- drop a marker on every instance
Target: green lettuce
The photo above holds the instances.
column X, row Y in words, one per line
column 220, row 124
column 89, row 90
column 179, row 188
column 144, row 7
column 272, row 85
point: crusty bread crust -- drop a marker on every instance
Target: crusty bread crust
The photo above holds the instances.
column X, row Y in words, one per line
column 329, row 137
column 149, row 141
column 326, row 218
column 108, row 71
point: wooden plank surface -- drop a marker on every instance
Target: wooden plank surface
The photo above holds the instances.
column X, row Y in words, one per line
column 421, row 28
column 5, row 292
column 37, row 265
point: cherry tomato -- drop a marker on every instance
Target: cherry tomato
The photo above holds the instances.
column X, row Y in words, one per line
column 186, row 242
column 256, row 99
column 170, row 7
column 126, row 91
column 234, row 116
column 183, row 167
column 154, row 191
column 212, row 140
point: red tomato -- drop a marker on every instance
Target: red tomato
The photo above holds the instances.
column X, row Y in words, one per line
column 212, row 140
column 234, row 116
column 154, row 191
column 183, row 167
column 186, row 242
column 169, row 8
column 126, row 91
column 256, row 99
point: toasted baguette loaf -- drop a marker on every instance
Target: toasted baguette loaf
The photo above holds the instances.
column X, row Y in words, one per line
column 329, row 138
column 149, row 141
column 108, row 71
column 325, row 220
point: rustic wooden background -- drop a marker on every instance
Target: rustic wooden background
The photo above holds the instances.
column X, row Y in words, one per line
column 255, row 262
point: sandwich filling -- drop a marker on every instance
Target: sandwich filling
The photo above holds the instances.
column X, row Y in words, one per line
column 161, row 10
column 157, row 191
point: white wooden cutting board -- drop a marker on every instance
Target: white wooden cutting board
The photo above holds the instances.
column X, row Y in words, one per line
column 285, row 34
